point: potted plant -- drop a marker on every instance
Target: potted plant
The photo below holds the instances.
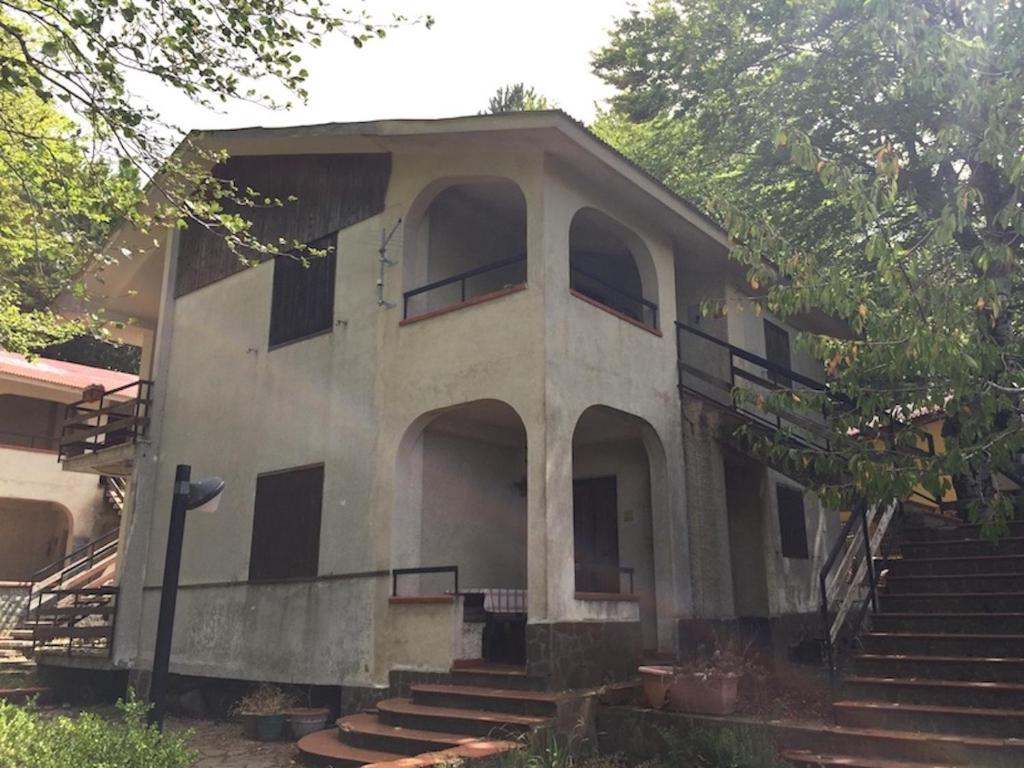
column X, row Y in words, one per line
column 303, row 721
column 708, row 685
column 262, row 712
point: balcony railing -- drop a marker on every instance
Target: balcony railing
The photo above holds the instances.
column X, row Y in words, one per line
column 612, row 296
column 117, row 417
column 713, row 369
column 462, row 285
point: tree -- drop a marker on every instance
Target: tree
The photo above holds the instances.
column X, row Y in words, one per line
column 516, row 98
column 868, row 158
column 79, row 59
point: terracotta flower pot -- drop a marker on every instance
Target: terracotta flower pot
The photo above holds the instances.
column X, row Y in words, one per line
column 656, row 681
column 711, row 693
column 303, row 721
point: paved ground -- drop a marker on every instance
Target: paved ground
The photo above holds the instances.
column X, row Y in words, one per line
column 221, row 745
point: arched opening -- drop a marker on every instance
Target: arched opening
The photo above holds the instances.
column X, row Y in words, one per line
column 613, row 532
column 461, row 502
column 33, row 534
column 610, row 265
column 468, row 243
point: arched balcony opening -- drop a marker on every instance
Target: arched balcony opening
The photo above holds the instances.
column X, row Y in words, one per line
column 459, row 523
column 613, row 528
column 468, row 244
column 610, row 266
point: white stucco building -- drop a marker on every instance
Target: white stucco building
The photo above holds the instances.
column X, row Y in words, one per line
column 488, row 373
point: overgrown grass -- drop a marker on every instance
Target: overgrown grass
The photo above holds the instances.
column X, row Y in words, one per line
column 28, row 739
column 683, row 746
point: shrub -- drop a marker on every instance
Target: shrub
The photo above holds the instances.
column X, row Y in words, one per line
column 28, row 739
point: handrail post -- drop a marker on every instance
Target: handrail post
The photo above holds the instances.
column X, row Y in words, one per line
column 827, row 624
column 870, row 563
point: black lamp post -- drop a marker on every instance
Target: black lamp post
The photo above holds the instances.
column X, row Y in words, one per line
column 201, row 496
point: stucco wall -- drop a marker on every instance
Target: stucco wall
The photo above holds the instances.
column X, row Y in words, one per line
column 34, row 479
column 474, row 516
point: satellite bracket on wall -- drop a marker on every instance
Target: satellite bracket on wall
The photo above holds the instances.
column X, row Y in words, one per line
column 385, row 262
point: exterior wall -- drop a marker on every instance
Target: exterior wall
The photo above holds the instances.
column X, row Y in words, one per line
column 473, row 514
column 32, row 481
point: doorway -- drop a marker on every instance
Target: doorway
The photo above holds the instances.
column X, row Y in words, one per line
column 596, row 534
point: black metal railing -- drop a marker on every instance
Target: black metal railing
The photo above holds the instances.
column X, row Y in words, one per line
column 60, row 572
column 614, row 297
column 92, row 425
column 423, row 571
column 462, row 278
column 713, row 369
column 75, row 621
column 848, row 581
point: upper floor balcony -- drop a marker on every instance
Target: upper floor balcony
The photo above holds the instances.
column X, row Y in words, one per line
column 100, row 431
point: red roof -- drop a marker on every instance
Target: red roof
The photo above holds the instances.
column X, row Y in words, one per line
column 71, row 375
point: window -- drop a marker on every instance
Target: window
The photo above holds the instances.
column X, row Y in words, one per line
column 792, row 525
column 776, row 350
column 286, row 524
column 303, row 299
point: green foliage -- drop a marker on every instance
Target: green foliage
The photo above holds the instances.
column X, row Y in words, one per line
column 694, row 746
column 868, row 159
column 547, row 751
column 30, row 740
column 75, row 141
column 517, row 98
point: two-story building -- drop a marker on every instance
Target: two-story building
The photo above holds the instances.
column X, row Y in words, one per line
column 491, row 426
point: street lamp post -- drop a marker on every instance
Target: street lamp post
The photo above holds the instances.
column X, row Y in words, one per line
column 201, row 496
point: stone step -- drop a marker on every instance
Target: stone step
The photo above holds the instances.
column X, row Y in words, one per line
column 995, row 723
column 1011, row 545
column 927, row 749
column 995, row 670
column 953, row 693
column 366, row 731
column 951, row 583
column 322, row 748
column 949, row 623
column 935, row 566
column 925, row 644
column 805, row 757
column 497, row 676
column 517, row 702
column 957, row 532
column 474, row 722
column 953, row 602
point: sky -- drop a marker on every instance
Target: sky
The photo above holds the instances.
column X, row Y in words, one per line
column 475, row 47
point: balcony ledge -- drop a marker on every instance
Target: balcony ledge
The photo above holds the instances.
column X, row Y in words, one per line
column 625, row 318
column 481, row 299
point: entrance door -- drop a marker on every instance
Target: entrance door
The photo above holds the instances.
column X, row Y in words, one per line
column 596, row 534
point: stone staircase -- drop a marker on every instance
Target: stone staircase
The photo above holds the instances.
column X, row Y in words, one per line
column 482, row 711
column 939, row 678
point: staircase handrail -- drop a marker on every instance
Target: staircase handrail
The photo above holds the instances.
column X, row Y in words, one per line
column 847, row 580
column 52, row 577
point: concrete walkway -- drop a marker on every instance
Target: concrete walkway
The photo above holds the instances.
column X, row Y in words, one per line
column 221, row 745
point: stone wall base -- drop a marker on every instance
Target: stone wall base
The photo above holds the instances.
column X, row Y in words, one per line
column 583, row 654
column 777, row 642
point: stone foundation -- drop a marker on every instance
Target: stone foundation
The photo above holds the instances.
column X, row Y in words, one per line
column 583, row 654
column 776, row 642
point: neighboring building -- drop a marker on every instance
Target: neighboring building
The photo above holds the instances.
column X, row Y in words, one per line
column 46, row 512
column 501, row 368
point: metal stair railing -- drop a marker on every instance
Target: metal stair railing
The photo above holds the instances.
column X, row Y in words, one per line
column 848, row 582
column 53, row 577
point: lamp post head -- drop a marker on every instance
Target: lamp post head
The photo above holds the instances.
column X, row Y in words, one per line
column 204, row 495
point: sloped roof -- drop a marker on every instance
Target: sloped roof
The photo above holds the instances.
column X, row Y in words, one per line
column 57, row 372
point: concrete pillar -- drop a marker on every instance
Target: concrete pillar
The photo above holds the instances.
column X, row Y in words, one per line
column 708, row 523
column 137, row 521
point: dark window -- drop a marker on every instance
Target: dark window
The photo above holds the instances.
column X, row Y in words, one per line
column 792, row 525
column 286, row 525
column 776, row 350
column 303, row 301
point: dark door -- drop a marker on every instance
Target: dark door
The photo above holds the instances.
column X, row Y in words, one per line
column 776, row 350
column 596, row 534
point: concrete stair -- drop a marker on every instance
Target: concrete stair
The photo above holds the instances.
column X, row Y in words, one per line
column 439, row 724
column 939, row 678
